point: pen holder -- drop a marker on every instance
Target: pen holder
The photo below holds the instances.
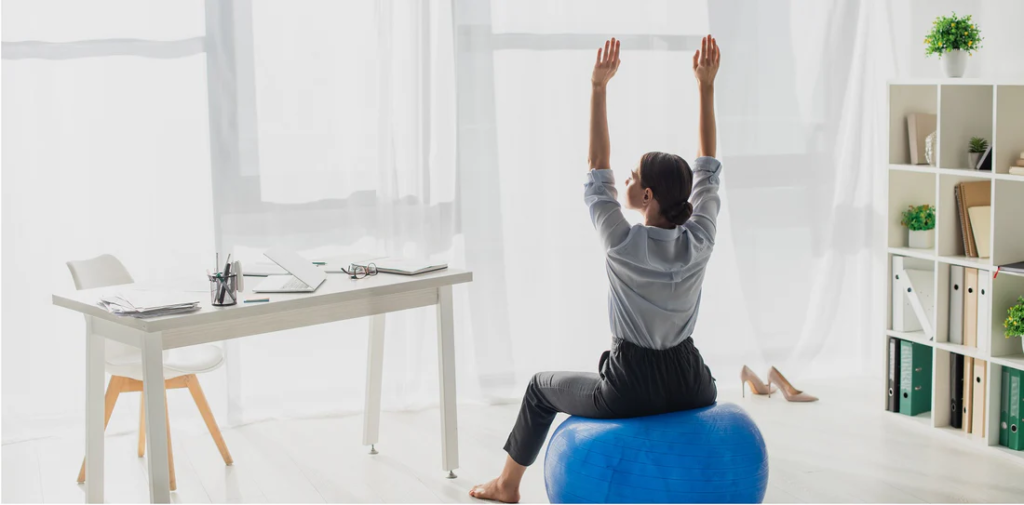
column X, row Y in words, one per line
column 223, row 290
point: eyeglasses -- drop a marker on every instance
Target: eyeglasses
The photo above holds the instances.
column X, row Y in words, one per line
column 359, row 271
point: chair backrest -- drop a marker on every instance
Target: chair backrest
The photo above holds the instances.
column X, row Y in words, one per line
column 99, row 272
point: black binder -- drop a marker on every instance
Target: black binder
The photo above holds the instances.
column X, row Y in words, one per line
column 893, row 405
column 956, row 389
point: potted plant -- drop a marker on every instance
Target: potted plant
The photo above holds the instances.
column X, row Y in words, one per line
column 920, row 220
column 975, row 149
column 1014, row 323
column 953, row 39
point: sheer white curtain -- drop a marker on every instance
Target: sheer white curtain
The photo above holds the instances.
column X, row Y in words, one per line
column 345, row 140
column 105, row 150
column 454, row 129
column 790, row 283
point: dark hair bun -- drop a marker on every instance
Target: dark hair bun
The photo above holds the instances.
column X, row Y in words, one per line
column 678, row 214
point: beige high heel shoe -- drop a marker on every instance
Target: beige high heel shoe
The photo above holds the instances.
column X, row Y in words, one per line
column 791, row 393
column 750, row 379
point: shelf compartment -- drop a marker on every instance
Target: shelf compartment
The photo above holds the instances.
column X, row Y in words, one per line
column 964, row 112
column 950, row 238
column 1009, row 128
column 906, row 189
column 1005, row 351
column 1008, row 222
column 904, row 100
column 912, row 263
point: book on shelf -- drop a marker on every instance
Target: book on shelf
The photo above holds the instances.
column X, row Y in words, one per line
column 1017, row 170
column 971, row 194
column 1015, row 268
column 985, row 160
column 981, row 228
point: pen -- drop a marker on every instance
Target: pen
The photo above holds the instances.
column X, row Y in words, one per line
column 256, row 300
column 319, row 262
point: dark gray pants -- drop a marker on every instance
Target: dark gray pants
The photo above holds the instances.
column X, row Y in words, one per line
column 633, row 381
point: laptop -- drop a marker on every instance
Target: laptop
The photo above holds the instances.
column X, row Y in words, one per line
column 304, row 278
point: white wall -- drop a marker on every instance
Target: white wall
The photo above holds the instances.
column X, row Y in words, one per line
column 1000, row 22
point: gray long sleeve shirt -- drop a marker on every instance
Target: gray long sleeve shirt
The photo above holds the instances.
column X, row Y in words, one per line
column 655, row 274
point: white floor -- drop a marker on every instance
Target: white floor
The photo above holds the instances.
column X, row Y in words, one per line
column 842, row 449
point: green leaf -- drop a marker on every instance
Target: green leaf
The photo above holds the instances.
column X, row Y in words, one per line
column 920, row 218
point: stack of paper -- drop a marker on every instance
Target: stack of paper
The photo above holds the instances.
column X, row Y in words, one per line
column 148, row 303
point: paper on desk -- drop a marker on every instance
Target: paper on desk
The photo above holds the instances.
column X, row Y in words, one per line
column 141, row 303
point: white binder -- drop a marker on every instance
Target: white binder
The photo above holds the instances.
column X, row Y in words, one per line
column 984, row 309
column 913, row 293
column 902, row 313
column 922, row 297
column 956, row 304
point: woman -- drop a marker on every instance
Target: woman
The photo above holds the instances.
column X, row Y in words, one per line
column 655, row 272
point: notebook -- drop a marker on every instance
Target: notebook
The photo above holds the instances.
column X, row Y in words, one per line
column 1017, row 268
column 972, row 194
column 405, row 266
column 981, row 226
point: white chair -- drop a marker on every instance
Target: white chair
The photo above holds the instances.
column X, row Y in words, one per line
column 124, row 363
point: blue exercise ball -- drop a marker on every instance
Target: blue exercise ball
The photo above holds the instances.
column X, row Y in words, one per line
column 709, row 455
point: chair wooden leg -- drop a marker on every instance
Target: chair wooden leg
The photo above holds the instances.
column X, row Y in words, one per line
column 211, row 423
column 113, row 391
column 170, row 451
column 142, row 427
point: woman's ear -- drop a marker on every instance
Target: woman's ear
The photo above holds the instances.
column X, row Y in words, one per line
column 647, row 196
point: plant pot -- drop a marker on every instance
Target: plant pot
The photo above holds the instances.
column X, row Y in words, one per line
column 954, row 63
column 922, row 239
column 973, row 158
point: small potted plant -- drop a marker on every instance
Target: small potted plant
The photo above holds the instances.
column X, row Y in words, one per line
column 1014, row 323
column 920, row 220
column 975, row 149
column 953, row 39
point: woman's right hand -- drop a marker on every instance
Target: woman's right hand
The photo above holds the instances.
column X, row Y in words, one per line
column 706, row 60
column 607, row 63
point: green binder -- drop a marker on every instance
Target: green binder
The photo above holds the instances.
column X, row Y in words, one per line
column 1004, row 405
column 915, row 378
column 1015, row 440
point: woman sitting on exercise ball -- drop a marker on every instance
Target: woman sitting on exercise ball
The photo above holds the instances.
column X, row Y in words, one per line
column 655, row 271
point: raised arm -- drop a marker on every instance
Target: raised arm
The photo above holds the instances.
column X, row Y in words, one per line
column 705, row 68
column 604, row 69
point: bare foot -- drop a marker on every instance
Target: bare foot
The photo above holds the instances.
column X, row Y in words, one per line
column 495, row 490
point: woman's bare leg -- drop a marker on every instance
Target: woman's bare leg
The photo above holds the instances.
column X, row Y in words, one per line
column 506, row 487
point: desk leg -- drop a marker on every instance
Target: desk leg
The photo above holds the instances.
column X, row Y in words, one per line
column 446, row 369
column 94, row 405
column 154, row 395
column 374, row 368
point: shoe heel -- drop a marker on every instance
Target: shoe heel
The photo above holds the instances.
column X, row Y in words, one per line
column 769, row 388
column 743, row 388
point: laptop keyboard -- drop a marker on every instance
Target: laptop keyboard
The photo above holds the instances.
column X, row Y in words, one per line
column 294, row 284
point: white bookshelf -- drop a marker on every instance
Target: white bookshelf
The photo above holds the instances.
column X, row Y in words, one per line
column 965, row 108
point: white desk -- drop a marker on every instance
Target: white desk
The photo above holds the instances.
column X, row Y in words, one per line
column 338, row 298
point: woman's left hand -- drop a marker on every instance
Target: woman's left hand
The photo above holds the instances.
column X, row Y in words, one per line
column 607, row 63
